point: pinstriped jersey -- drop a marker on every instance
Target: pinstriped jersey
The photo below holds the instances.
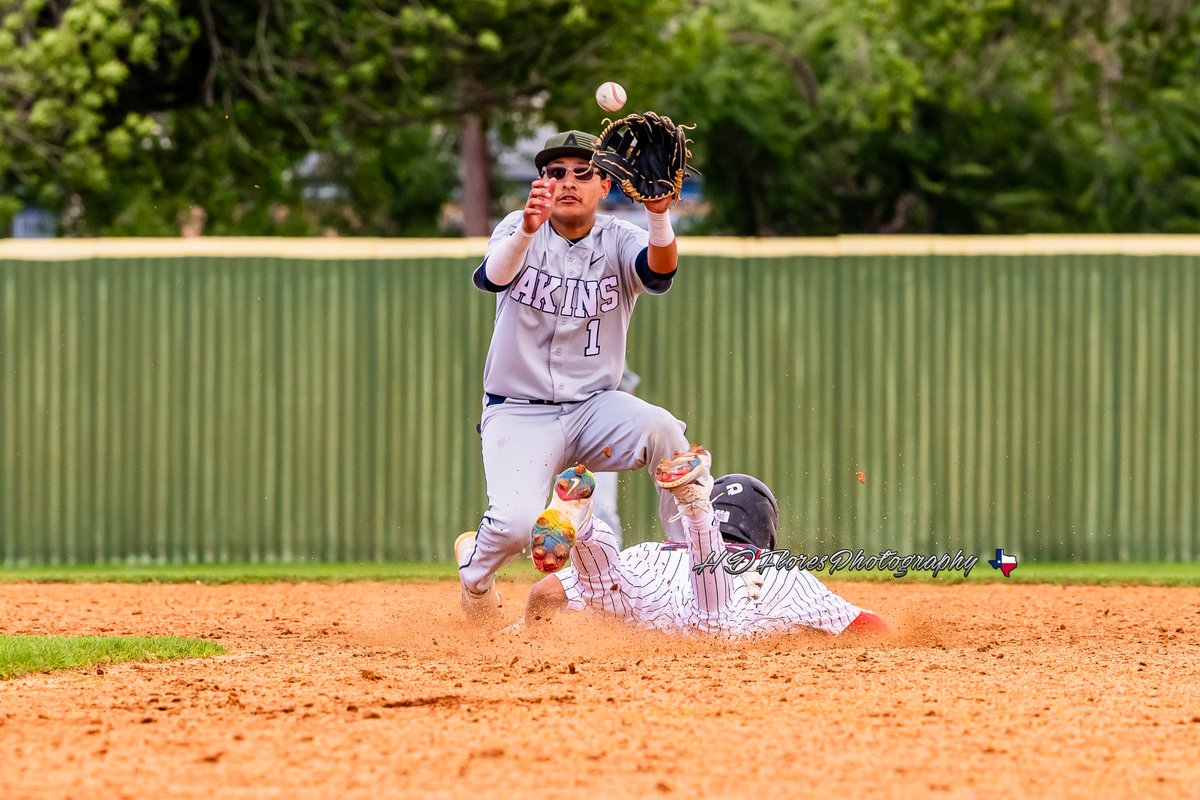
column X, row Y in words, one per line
column 561, row 325
column 652, row 587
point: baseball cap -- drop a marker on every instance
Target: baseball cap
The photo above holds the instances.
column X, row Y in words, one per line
column 564, row 145
column 746, row 510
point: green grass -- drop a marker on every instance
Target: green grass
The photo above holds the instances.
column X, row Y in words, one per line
column 400, row 571
column 1103, row 574
column 1099, row 574
column 20, row 655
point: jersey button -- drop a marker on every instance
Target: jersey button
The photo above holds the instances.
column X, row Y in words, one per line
column 558, row 351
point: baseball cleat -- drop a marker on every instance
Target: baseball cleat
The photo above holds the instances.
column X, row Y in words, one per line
column 687, row 477
column 481, row 607
column 478, row 607
column 574, row 484
column 463, row 545
column 568, row 515
column 684, row 468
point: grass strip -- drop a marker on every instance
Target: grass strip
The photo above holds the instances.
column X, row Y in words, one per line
column 1099, row 574
column 21, row 655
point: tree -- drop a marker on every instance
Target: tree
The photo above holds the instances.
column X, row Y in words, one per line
column 956, row 116
column 262, row 128
column 62, row 65
column 473, row 65
column 215, row 104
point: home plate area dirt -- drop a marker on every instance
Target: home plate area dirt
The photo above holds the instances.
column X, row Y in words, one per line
column 369, row 690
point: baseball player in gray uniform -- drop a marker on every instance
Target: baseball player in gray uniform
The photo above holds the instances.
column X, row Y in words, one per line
column 566, row 280
column 689, row 587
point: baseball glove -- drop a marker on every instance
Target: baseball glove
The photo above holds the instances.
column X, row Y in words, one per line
column 645, row 155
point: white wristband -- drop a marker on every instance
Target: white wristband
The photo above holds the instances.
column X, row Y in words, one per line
column 661, row 233
column 521, row 230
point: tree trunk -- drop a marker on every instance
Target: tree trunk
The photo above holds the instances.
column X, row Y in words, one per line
column 475, row 165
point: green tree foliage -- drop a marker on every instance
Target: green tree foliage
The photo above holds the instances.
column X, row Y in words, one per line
column 827, row 116
column 62, row 66
column 221, row 102
column 265, row 129
column 957, row 116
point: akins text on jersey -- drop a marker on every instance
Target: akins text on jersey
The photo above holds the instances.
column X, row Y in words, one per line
column 581, row 298
column 738, row 559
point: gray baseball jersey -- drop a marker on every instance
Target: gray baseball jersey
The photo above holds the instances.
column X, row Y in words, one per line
column 652, row 585
column 561, row 324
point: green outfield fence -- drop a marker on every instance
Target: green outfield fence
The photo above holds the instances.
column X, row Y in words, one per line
column 276, row 400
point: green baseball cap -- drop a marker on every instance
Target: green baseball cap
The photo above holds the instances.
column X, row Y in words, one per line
column 566, row 145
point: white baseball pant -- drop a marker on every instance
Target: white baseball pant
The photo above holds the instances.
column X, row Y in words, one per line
column 525, row 445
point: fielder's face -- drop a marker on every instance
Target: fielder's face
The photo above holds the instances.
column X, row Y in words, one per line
column 575, row 198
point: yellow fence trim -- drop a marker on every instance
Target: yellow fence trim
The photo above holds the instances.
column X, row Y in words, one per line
column 315, row 248
column 834, row 246
column 318, row 248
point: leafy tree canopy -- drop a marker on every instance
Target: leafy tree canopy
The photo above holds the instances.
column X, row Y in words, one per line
column 955, row 116
column 828, row 116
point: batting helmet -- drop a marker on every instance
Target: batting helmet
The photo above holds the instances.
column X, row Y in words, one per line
column 746, row 510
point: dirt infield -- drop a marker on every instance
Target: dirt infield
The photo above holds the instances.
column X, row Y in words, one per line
column 368, row 690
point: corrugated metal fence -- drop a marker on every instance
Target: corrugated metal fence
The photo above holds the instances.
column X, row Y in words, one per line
column 183, row 404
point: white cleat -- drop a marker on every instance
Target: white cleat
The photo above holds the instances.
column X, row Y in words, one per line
column 568, row 515
column 688, row 478
column 478, row 607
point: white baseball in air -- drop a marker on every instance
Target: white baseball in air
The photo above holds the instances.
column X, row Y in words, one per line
column 610, row 96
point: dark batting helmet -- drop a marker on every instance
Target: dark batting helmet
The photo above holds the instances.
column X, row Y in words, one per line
column 746, row 510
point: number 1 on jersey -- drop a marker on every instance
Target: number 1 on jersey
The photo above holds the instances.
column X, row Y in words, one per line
column 593, row 345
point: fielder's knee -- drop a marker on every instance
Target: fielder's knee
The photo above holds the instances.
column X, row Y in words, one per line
column 664, row 433
column 506, row 531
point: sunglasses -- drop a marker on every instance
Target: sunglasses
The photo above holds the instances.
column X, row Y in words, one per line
column 580, row 173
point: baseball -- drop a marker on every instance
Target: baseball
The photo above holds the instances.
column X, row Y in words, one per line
column 610, row 96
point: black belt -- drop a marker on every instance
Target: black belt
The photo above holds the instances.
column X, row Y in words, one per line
column 497, row 399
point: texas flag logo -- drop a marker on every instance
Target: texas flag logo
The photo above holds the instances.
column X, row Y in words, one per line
column 1003, row 561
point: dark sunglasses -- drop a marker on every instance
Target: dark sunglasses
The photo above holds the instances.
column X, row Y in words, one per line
column 580, row 173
